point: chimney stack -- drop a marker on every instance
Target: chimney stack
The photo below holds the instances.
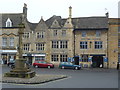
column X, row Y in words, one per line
column 25, row 10
column 70, row 12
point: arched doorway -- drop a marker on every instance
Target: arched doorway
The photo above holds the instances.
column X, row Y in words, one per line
column 97, row 61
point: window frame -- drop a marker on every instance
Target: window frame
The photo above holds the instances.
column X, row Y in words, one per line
column 55, row 44
column 63, row 44
column 84, row 58
column 63, row 58
column 40, row 46
column 26, row 35
column 118, row 42
column 83, row 44
column 4, row 41
column 11, row 43
column 98, row 44
column 55, row 32
column 119, row 57
column 8, row 23
column 84, row 34
column 98, row 33
column 26, row 47
column 63, row 32
column 55, row 58
column 40, row 34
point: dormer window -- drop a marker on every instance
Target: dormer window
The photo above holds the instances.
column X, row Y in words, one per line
column 8, row 23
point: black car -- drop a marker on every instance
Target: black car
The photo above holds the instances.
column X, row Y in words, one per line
column 11, row 63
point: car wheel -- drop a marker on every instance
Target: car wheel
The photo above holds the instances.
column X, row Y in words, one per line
column 36, row 66
column 63, row 67
column 76, row 68
column 49, row 67
column 10, row 65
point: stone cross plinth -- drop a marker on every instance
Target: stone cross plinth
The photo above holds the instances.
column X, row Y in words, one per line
column 20, row 70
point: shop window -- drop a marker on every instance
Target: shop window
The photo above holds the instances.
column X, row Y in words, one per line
column 84, row 58
column 40, row 58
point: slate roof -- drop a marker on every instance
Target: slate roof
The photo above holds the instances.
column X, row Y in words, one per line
column 32, row 25
column 78, row 23
column 51, row 20
column 15, row 18
column 82, row 22
column 90, row 22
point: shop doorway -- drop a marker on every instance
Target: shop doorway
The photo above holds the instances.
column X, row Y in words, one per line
column 97, row 61
column 30, row 60
column 76, row 60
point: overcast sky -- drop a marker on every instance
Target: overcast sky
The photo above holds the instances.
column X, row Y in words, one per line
column 48, row 8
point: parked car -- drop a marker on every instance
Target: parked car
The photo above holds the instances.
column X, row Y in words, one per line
column 42, row 63
column 70, row 65
column 11, row 63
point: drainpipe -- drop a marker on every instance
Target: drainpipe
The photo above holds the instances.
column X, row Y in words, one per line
column 74, row 43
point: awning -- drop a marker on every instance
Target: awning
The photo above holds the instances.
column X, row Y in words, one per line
column 97, row 55
column 8, row 51
column 34, row 54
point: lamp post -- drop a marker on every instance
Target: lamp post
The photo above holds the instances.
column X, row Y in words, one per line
column 20, row 70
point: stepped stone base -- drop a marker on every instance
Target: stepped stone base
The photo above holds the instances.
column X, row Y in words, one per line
column 20, row 75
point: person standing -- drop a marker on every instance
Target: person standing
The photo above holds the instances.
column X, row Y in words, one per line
column 117, row 65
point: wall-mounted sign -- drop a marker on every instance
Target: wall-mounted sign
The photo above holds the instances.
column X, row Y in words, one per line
column 105, row 59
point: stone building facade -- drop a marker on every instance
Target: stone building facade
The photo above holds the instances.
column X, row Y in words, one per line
column 113, row 42
column 83, row 40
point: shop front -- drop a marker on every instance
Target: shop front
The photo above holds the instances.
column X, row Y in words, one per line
column 7, row 55
column 31, row 58
column 92, row 60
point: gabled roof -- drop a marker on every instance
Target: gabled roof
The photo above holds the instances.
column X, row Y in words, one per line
column 81, row 22
column 78, row 23
column 50, row 21
column 16, row 19
column 41, row 25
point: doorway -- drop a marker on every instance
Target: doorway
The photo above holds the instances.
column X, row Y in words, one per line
column 97, row 61
column 76, row 60
column 30, row 60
